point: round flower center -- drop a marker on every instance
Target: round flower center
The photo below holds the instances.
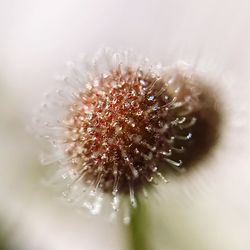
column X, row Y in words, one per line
column 121, row 128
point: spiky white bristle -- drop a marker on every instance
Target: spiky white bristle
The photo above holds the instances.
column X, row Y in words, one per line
column 114, row 123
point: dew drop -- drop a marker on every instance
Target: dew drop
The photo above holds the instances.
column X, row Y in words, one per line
column 143, row 83
column 115, row 203
column 151, row 98
column 126, row 220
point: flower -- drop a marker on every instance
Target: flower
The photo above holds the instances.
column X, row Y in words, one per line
column 116, row 124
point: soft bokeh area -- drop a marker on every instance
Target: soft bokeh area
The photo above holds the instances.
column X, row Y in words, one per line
column 209, row 208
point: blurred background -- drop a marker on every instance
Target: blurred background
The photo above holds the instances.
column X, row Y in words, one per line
column 207, row 210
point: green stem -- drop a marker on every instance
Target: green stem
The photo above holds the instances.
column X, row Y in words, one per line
column 137, row 229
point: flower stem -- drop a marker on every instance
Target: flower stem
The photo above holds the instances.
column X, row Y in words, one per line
column 137, row 229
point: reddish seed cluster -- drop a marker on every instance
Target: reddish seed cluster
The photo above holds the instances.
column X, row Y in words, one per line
column 122, row 127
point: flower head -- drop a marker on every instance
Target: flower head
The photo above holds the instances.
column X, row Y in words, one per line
column 117, row 124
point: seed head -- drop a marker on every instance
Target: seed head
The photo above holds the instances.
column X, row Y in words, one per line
column 122, row 123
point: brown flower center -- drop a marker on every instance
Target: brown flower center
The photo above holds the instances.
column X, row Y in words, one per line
column 121, row 128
